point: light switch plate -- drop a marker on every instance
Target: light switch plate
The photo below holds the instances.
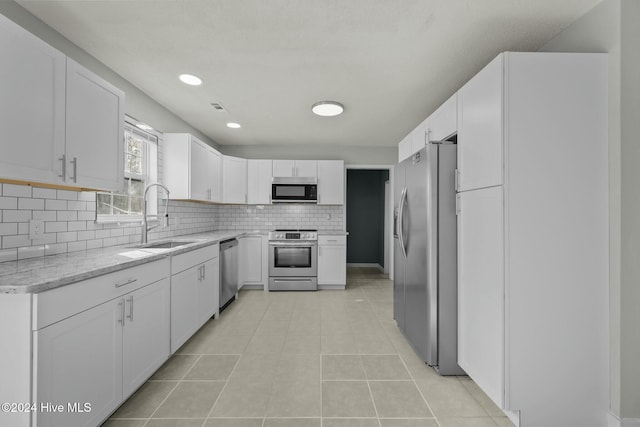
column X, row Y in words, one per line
column 36, row 229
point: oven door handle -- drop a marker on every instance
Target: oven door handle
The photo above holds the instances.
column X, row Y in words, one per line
column 299, row 244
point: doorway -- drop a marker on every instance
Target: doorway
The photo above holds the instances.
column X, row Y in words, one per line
column 368, row 217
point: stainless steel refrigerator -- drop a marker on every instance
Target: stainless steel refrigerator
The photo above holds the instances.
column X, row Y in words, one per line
column 424, row 289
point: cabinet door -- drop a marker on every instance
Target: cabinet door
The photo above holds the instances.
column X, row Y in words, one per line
column 208, row 290
column 215, row 175
column 283, row 168
column 184, row 306
column 200, row 171
column 444, row 121
column 404, row 148
column 330, row 182
column 332, row 264
column 95, row 131
column 234, row 180
column 480, row 129
column 250, row 260
column 79, row 360
column 32, row 109
column 146, row 333
column 481, row 289
column 419, row 136
column 306, row 168
column 259, row 176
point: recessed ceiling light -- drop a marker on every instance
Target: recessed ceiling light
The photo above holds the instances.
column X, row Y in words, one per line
column 190, row 79
column 234, row 125
column 144, row 126
column 327, row 108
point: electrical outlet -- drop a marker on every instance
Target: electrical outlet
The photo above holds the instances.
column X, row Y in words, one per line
column 36, row 229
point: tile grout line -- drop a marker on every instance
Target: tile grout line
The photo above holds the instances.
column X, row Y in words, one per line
column 171, row 392
column 419, row 391
column 221, row 391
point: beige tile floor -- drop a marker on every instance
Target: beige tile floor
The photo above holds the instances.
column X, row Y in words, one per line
column 316, row 359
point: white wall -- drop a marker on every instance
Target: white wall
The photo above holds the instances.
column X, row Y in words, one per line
column 138, row 104
column 350, row 154
column 612, row 26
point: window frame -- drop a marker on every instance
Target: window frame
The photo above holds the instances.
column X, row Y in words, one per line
column 150, row 174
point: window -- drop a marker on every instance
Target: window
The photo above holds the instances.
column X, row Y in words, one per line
column 140, row 169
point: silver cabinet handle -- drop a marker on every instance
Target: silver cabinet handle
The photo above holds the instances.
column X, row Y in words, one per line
column 74, row 162
column 121, row 305
column 331, row 240
column 204, row 272
column 125, row 283
column 63, row 159
column 130, row 316
column 199, row 273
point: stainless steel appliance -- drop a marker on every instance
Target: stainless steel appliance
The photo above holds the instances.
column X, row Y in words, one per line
column 228, row 271
column 293, row 260
column 425, row 289
column 296, row 189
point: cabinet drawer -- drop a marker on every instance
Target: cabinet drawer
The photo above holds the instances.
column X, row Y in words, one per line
column 57, row 304
column 197, row 256
column 332, row 240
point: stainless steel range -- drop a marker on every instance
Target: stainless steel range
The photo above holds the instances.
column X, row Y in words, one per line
column 293, row 260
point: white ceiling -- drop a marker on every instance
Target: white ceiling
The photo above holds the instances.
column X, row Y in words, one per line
column 390, row 62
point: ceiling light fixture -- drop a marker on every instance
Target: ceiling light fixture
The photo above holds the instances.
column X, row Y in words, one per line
column 234, row 125
column 190, row 79
column 327, row 108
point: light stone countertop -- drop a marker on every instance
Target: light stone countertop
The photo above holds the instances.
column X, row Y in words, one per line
column 49, row 272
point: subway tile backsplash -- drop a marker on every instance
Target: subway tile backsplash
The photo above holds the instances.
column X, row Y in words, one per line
column 69, row 221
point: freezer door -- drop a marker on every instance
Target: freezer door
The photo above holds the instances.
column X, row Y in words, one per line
column 398, row 258
column 420, row 219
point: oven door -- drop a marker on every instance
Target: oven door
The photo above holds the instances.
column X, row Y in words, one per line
column 293, row 259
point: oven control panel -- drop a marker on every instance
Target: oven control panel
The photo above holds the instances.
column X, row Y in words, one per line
column 293, row 235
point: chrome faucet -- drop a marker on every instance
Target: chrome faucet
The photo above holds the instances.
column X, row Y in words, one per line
column 145, row 227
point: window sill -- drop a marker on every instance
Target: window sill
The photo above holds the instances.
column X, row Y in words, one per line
column 116, row 219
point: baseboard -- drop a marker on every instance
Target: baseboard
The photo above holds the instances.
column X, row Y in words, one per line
column 614, row 421
column 253, row 287
column 331, row 287
column 366, row 264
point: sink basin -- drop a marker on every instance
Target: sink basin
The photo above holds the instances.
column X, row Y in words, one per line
column 165, row 245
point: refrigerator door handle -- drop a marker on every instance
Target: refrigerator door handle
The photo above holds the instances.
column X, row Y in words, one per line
column 403, row 200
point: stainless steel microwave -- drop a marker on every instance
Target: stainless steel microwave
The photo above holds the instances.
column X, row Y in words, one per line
column 295, row 189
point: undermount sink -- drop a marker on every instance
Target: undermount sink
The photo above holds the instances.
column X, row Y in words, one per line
column 165, row 245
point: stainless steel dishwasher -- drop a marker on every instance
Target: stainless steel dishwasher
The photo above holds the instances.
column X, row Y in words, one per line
column 228, row 271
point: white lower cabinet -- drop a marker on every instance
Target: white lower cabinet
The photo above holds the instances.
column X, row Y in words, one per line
column 146, row 334
column 253, row 267
column 332, row 261
column 101, row 356
column 80, row 360
column 481, row 289
column 195, row 287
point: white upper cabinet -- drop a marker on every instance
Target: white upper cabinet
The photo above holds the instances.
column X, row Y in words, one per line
column 192, row 169
column 330, row 182
column 95, row 131
column 59, row 123
column 32, row 105
column 234, row 180
column 404, row 148
column 444, row 121
column 288, row 168
column 480, row 128
column 419, row 136
column 259, row 177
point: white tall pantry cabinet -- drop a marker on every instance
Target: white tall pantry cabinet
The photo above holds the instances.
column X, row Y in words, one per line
column 533, row 258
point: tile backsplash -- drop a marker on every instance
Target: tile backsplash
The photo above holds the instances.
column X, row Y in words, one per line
column 267, row 217
column 69, row 221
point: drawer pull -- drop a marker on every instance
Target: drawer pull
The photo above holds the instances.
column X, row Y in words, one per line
column 128, row 282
